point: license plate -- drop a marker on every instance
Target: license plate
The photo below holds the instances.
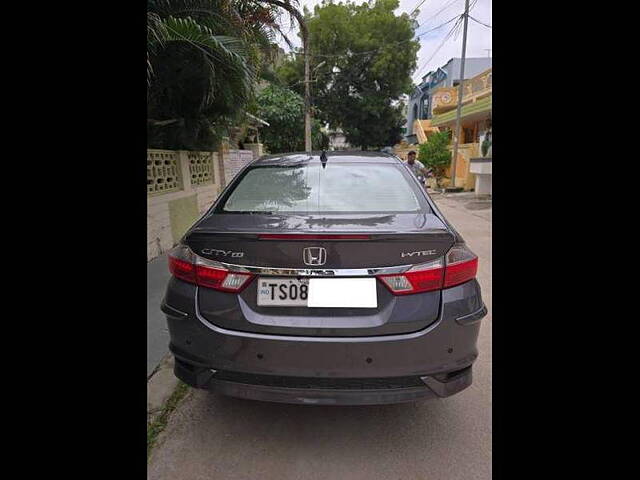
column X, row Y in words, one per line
column 317, row 292
column 283, row 292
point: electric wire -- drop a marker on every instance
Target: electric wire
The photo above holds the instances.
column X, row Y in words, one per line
column 417, row 7
column 444, row 40
column 353, row 54
column 481, row 23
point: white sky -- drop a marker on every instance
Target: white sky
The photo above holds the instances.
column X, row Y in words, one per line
column 478, row 36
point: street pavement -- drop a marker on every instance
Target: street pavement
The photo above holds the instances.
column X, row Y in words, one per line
column 157, row 332
column 211, row 436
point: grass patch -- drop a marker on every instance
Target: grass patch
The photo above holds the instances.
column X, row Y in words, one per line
column 158, row 425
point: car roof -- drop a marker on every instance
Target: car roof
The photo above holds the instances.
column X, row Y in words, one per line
column 296, row 158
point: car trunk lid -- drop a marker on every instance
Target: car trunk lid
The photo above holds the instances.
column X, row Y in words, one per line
column 350, row 242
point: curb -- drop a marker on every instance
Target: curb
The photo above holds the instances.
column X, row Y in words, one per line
column 160, row 387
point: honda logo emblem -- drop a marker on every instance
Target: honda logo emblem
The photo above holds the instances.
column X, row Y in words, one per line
column 314, row 256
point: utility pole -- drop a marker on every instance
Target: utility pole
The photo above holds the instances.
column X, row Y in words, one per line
column 307, row 93
column 488, row 50
column 286, row 5
column 460, row 93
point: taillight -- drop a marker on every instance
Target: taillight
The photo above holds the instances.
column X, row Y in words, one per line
column 181, row 264
column 459, row 265
column 420, row 278
column 187, row 266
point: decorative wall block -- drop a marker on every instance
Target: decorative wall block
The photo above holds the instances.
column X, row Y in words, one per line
column 162, row 171
column 201, row 168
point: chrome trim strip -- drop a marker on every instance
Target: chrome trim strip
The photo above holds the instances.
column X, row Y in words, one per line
column 313, row 272
column 305, row 272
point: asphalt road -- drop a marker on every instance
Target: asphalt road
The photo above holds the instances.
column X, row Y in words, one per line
column 211, row 436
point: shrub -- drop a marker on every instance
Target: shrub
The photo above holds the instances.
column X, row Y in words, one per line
column 434, row 154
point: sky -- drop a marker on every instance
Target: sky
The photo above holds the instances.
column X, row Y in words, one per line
column 432, row 14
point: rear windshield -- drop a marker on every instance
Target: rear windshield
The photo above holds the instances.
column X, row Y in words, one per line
column 338, row 188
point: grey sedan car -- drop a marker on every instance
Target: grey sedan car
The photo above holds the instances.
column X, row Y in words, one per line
column 324, row 278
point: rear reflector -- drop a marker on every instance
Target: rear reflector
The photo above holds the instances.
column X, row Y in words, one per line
column 302, row 236
column 460, row 265
column 187, row 266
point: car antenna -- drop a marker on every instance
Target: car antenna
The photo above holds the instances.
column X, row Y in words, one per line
column 323, row 158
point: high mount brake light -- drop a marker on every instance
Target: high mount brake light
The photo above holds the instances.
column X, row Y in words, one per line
column 303, row 236
column 187, row 266
column 459, row 265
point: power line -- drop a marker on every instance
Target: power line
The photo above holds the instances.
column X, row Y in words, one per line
column 457, row 24
column 478, row 21
column 439, row 26
column 454, row 30
column 439, row 11
column 417, row 7
column 332, row 55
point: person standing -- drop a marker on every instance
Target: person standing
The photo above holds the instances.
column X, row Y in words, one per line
column 416, row 166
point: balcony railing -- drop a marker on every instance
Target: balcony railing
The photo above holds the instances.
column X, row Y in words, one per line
column 446, row 98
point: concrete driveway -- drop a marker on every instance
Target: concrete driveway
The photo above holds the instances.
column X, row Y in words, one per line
column 211, row 436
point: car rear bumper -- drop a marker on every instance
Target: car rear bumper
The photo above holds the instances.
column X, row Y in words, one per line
column 274, row 366
column 292, row 390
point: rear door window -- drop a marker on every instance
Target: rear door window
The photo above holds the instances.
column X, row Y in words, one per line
column 338, row 188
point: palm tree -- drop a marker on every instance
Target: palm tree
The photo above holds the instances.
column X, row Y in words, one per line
column 204, row 58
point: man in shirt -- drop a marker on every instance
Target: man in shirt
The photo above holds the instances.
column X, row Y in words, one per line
column 416, row 167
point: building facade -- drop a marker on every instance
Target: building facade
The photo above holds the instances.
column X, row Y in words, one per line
column 475, row 127
column 420, row 104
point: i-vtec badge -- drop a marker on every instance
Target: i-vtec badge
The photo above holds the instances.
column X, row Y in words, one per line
column 419, row 253
column 224, row 253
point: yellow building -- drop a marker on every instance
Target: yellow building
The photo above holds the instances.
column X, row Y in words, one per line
column 475, row 120
column 422, row 130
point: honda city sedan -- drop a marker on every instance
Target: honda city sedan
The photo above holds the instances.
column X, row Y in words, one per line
column 326, row 279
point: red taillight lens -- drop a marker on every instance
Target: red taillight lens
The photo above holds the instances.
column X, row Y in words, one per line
column 181, row 264
column 182, row 270
column 460, row 265
column 220, row 279
column 422, row 278
column 187, row 266
column 210, row 277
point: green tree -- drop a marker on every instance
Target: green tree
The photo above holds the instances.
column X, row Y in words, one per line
column 435, row 154
column 204, row 59
column 369, row 55
column 283, row 109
